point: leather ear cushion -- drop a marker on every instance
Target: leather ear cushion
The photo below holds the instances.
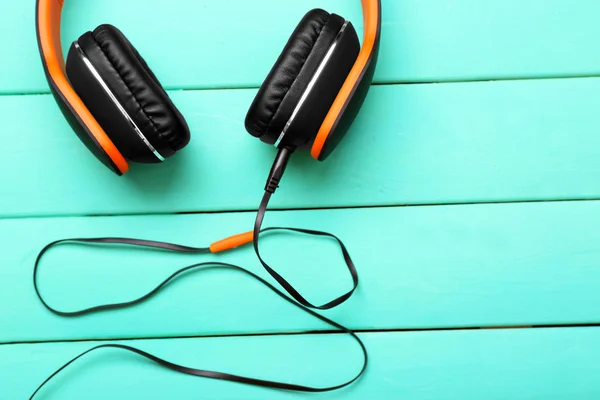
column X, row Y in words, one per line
column 108, row 112
column 298, row 90
column 135, row 86
column 302, row 54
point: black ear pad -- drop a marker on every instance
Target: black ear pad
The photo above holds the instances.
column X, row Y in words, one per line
column 302, row 129
column 136, row 89
column 290, row 76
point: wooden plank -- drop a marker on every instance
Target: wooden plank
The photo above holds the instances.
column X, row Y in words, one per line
column 552, row 364
column 204, row 44
column 419, row 267
column 414, row 144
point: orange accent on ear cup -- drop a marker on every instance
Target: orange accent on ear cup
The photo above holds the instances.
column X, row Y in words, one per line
column 49, row 16
column 371, row 11
column 232, row 242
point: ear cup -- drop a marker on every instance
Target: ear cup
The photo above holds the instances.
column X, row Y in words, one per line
column 106, row 55
column 291, row 74
column 301, row 129
column 292, row 103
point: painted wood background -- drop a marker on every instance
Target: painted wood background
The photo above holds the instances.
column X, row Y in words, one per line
column 467, row 192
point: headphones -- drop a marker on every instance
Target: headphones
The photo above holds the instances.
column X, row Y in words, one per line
column 119, row 110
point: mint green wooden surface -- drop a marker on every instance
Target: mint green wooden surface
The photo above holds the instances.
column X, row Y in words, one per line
column 550, row 364
column 423, row 41
column 531, row 141
column 413, row 144
column 452, row 266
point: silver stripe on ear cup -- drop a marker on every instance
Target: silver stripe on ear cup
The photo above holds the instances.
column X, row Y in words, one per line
column 312, row 82
column 110, row 94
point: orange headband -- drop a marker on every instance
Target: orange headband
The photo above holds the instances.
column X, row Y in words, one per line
column 48, row 30
column 364, row 61
column 48, row 16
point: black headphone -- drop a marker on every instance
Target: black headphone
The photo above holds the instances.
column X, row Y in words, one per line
column 120, row 111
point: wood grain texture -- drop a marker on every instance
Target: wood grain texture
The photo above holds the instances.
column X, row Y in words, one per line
column 437, row 266
column 525, row 364
column 235, row 43
column 412, row 144
column 447, row 266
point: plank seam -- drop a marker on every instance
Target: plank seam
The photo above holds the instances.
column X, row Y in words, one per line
column 381, row 83
column 284, row 209
column 314, row 332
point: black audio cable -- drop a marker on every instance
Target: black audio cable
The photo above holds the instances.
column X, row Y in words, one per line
column 271, row 186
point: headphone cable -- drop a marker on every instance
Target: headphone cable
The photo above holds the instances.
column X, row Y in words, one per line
column 300, row 302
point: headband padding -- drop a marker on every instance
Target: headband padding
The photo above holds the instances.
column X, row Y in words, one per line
column 136, row 87
column 291, row 74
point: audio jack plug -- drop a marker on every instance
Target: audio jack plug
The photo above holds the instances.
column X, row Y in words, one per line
column 279, row 165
